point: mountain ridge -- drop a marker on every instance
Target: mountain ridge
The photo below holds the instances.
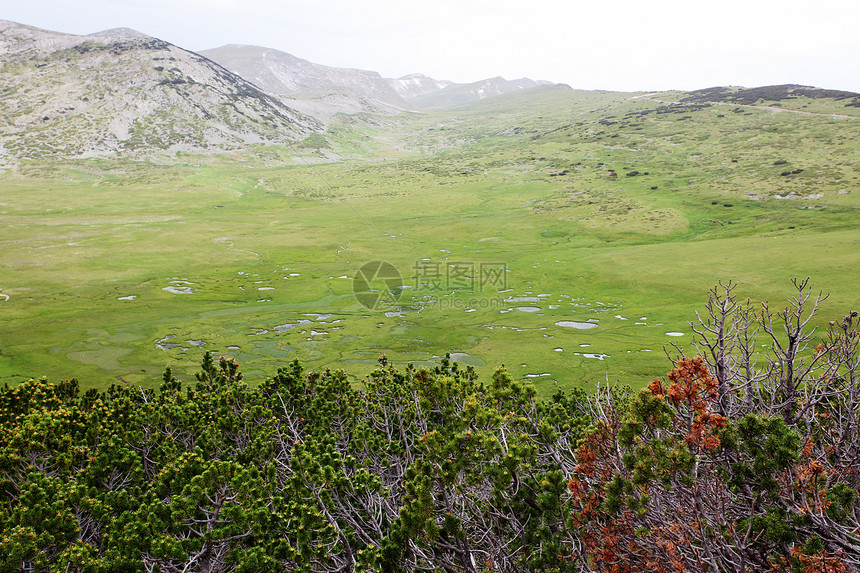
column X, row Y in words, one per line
column 121, row 91
column 285, row 74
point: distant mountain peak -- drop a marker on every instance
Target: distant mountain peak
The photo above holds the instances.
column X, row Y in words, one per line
column 288, row 75
column 457, row 94
column 415, row 85
column 414, row 77
column 126, row 33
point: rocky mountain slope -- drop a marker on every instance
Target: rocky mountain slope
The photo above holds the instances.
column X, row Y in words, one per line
column 283, row 73
column 320, row 91
column 351, row 90
column 123, row 91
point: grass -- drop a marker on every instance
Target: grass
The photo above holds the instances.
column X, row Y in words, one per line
column 525, row 180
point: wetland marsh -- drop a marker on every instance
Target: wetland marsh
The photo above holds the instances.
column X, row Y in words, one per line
column 601, row 218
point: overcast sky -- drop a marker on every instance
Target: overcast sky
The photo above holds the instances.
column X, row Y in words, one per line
column 601, row 44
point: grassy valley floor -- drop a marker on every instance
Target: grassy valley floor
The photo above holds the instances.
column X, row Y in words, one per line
column 568, row 235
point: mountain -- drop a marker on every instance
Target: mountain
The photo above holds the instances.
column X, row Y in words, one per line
column 416, row 85
column 320, row 89
column 283, row 73
column 123, row 91
column 456, row 94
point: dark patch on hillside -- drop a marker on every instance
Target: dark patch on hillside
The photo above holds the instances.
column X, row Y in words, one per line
column 121, row 47
column 749, row 96
column 672, row 108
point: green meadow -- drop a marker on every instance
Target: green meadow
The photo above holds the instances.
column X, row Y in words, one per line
column 612, row 214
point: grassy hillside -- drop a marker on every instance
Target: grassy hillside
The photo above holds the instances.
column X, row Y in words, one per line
column 614, row 209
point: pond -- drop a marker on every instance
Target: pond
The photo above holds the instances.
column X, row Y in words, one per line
column 577, row 325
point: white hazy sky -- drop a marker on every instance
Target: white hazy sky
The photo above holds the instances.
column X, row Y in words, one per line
column 609, row 44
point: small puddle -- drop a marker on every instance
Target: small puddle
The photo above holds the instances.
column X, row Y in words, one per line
column 179, row 289
column 577, row 325
column 179, row 286
column 290, row 325
column 319, row 316
column 598, row 356
column 162, row 343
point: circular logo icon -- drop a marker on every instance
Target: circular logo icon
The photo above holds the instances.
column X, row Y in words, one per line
column 377, row 285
